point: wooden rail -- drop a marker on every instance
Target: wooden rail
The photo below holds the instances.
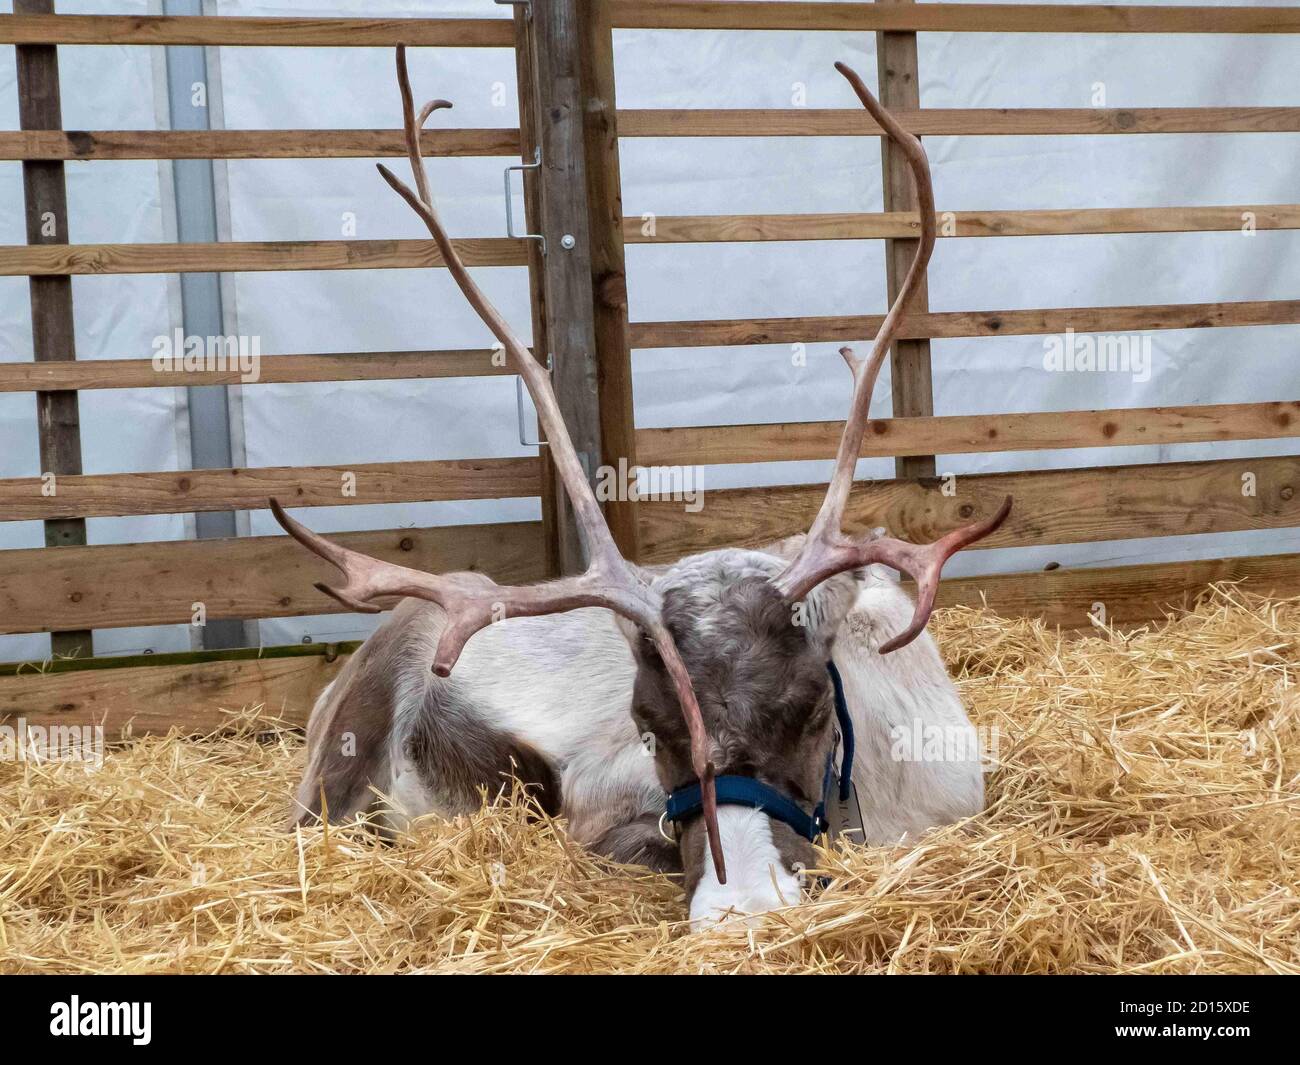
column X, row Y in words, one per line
column 251, row 143
column 259, row 576
column 971, row 433
column 229, row 31
column 947, row 324
column 1051, row 506
column 1132, row 595
column 270, row 370
column 700, row 229
column 192, row 491
column 957, row 122
column 196, row 693
column 941, row 17
column 46, row 260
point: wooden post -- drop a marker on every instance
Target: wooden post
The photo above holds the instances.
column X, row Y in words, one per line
column 53, row 337
column 536, row 271
column 913, row 388
column 609, row 278
column 558, row 126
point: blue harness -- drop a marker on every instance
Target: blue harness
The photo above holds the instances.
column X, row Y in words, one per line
column 686, row 803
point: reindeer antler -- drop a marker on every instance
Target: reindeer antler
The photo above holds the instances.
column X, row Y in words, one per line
column 828, row 550
column 471, row 600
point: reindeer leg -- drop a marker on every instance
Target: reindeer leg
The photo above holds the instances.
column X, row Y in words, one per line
column 639, row 842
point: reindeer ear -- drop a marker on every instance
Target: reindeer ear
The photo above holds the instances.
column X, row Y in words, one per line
column 826, row 607
column 631, row 631
column 788, row 549
column 639, row 642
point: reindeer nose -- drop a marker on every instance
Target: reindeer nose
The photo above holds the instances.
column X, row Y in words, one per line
column 757, row 878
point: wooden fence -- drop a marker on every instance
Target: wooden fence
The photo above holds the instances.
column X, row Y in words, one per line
column 68, row 588
column 580, row 308
column 1052, row 506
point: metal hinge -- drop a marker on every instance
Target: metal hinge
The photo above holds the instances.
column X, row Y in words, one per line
column 510, row 207
column 519, row 408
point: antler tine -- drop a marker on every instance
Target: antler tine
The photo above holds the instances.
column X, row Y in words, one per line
column 471, row 600
column 827, row 550
column 925, row 564
column 591, row 523
column 332, row 553
column 412, row 124
column 866, row 371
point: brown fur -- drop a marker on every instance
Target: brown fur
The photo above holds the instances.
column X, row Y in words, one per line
column 639, row 842
column 454, row 753
column 355, row 716
column 760, row 679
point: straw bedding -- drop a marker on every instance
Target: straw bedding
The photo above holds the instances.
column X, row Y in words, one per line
column 1142, row 818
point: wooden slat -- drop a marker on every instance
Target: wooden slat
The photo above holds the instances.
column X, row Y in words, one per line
column 550, row 489
column 1132, row 595
column 937, row 324
column 254, row 577
column 252, row 255
column 956, row 122
column 609, row 265
column 54, row 334
column 1051, row 506
column 698, row 229
column 970, row 433
column 193, row 491
column 271, row 370
column 229, row 30
column 194, row 697
column 978, row 18
column 251, row 143
column 561, row 183
column 911, row 383
column 198, row 692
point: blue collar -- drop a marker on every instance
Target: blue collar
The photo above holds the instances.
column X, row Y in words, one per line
column 686, row 803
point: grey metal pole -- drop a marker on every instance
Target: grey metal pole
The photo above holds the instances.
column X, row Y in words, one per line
column 201, row 312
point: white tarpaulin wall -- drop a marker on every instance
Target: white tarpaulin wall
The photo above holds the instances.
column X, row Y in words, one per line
column 253, row 88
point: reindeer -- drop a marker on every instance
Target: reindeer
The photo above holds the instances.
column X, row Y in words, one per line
column 704, row 694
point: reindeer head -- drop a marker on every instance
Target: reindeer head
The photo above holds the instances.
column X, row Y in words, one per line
column 758, row 665
column 731, row 646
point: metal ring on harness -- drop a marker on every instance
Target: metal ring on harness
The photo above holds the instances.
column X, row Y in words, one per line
column 670, row 839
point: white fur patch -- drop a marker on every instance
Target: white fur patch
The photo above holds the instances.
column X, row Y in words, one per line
column 902, row 693
column 757, row 881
